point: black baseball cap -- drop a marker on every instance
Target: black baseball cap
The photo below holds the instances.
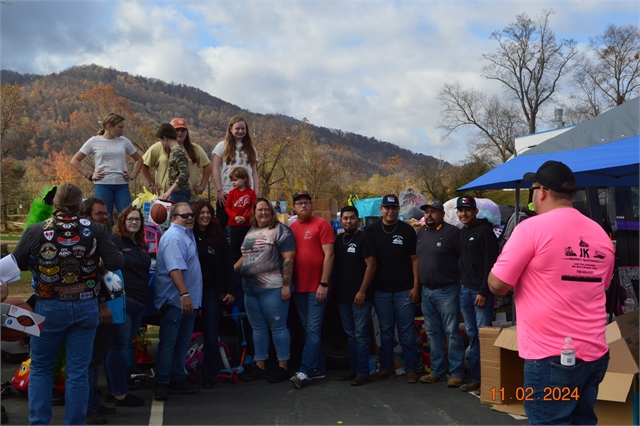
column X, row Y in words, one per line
column 554, row 175
column 390, row 200
column 299, row 194
column 466, row 201
column 434, row 203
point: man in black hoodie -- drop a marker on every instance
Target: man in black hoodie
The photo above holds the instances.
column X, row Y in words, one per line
column 479, row 251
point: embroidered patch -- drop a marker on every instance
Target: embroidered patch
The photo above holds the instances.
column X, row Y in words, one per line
column 51, row 279
column 48, row 223
column 68, row 241
column 93, row 249
column 48, row 234
column 86, row 232
column 91, row 283
column 65, row 252
column 79, row 251
column 85, row 222
column 48, row 251
column 49, row 271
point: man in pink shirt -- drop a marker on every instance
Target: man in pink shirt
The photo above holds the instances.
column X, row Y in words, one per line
column 559, row 264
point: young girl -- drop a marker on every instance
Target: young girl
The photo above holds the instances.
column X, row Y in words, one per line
column 238, row 207
column 236, row 150
column 179, row 189
column 111, row 175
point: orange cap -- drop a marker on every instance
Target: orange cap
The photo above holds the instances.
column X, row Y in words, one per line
column 179, row 123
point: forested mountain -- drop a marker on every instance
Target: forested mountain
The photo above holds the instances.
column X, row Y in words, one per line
column 54, row 98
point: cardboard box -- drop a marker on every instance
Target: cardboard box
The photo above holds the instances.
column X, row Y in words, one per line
column 326, row 214
column 322, row 204
column 501, row 367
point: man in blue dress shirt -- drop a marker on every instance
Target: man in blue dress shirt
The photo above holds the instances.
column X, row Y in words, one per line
column 178, row 282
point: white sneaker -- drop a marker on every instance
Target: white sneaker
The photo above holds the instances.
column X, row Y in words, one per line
column 299, row 379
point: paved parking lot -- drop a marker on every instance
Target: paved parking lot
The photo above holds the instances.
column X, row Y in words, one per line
column 325, row 401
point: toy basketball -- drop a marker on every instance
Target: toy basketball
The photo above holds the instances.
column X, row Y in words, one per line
column 158, row 213
column 9, row 334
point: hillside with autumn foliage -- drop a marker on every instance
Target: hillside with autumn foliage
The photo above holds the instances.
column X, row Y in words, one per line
column 46, row 119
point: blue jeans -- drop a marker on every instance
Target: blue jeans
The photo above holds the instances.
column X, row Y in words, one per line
column 441, row 310
column 101, row 343
column 175, row 335
column 474, row 318
column 180, row 196
column 212, row 308
column 113, row 194
column 549, row 373
column 394, row 309
column 267, row 311
column 311, row 313
column 74, row 323
column 357, row 324
column 122, row 335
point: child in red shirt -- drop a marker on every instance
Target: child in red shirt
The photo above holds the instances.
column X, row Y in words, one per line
column 238, row 206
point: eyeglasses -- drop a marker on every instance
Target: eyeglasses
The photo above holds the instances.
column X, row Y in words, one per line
column 134, row 219
column 101, row 214
column 533, row 188
column 303, row 203
column 185, row 215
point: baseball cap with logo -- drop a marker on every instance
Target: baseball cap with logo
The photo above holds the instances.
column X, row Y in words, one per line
column 466, row 201
column 554, row 175
column 179, row 123
column 434, row 204
column 299, row 194
column 390, row 200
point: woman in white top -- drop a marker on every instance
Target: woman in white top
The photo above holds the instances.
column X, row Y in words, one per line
column 236, row 150
column 111, row 174
column 157, row 157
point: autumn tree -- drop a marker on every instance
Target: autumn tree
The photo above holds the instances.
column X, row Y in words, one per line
column 609, row 74
column 495, row 124
column 432, row 179
column 16, row 129
column 11, row 187
column 529, row 62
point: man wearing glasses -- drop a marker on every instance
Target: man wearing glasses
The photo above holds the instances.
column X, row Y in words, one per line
column 311, row 272
column 178, row 284
column 559, row 294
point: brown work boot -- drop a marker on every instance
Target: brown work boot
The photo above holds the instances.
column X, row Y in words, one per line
column 429, row 378
column 381, row 375
column 470, row 387
column 455, row 382
column 412, row 377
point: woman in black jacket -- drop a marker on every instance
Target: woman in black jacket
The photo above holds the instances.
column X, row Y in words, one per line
column 217, row 281
column 129, row 238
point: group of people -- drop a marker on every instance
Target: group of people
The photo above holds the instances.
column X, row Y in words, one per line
column 388, row 266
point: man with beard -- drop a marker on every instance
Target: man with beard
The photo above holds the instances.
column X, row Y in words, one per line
column 355, row 267
column 479, row 251
column 396, row 288
column 178, row 296
column 438, row 253
column 311, row 272
column 96, row 210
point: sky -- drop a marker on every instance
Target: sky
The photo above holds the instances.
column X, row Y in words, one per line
column 369, row 67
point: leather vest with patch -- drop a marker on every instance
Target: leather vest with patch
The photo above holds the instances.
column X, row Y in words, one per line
column 67, row 268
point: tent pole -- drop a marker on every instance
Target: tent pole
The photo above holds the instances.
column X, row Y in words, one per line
column 517, row 202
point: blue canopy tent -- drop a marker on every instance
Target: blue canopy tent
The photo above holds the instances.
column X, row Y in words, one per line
column 609, row 164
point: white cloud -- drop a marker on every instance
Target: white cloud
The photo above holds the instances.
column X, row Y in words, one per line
column 373, row 68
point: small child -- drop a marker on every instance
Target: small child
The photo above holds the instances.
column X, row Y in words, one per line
column 179, row 189
column 238, row 206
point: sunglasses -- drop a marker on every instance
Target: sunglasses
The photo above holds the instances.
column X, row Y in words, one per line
column 185, row 215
